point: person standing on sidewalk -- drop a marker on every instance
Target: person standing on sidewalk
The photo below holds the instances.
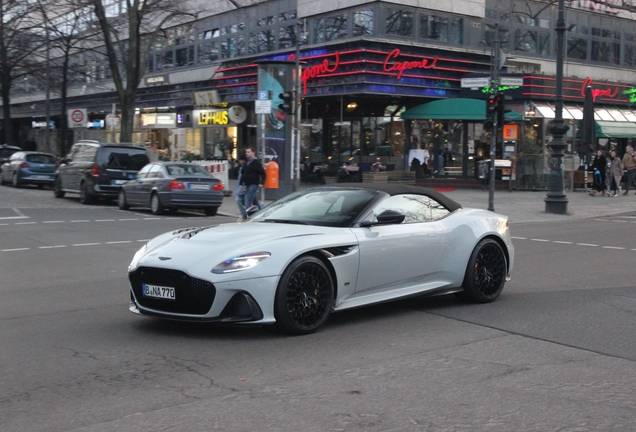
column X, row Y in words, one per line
column 598, row 168
column 252, row 177
column 629, row 163
column 615, row 173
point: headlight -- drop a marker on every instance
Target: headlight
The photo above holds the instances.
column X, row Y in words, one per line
column 135, row 261
column 239, row 263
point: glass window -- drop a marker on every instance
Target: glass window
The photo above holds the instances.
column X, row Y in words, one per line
column 544, row 44
column 434, row 27
column 144, row 171
column 209, row 34
column 208, row 52
column 287, row 16
column 167, row 60
column 577, row 48
column 489, row 36
column 525, row 20
column 266, row 41
column 233, row 47
column 628, row 58
column 526, row 41
column 319, row 30
column 287, row 36
column 185, row 56
column 336, row 27
column 601, row 51
column 416, row 208
column 363, row 22
column 399, row 22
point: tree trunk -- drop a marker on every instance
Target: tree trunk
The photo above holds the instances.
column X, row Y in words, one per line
column 6, row 111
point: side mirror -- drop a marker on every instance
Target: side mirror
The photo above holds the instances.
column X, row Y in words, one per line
column 387, row 217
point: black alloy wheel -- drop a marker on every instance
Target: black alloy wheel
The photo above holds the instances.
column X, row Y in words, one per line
column 57, row 188
column 304, row 297
column 121, row 200
column 486, row 272
column 211, row 211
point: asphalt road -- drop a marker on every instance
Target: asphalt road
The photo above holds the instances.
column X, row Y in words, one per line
column 555, row 352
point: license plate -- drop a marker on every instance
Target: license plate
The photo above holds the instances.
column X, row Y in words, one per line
column 119, row 182
column 199, row 186
column 157, row 291
column 42, row 177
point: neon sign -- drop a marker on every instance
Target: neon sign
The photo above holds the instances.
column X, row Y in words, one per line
column 631, row 94
column 321, row 68
column 402, row 66
column 499, row 89
column 610, row 93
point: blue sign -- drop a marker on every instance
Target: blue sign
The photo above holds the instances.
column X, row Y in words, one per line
column 263, row 95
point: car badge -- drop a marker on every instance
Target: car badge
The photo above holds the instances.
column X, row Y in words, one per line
column 165, row 258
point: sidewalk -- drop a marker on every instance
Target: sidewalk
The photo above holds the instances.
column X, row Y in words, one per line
column 519, row 206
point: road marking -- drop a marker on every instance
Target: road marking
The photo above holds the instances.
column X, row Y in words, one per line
column 80, row 220
column 104, row 220
column 86, row 244
column 563, row 242
column 540, row 240
column 518, row 238
column 119, row 242
column 52, row 222
column 14, row 217
column 131, row 219
column 14, row 250
column 586, row 244
column 613, row 247
column 26, row 223
column 52, row 247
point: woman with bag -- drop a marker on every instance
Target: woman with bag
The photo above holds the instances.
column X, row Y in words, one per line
column 598, row 168
column 615, row 173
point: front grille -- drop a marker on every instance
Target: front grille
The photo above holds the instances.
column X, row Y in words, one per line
column 192, row 296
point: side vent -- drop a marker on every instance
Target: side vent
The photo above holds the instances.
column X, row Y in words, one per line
column 337, row 251
column 188, row 233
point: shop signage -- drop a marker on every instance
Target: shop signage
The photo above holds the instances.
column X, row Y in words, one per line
column 475, row 82
column 396, row 68
column 159, row 120
column 596, row 6
column 605, row 93
column 211, row 117
column 157, row 80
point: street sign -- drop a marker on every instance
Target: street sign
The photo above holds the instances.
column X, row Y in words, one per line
column 475, row 82
column 263, row 106
column 511, row 81
column 263, row 95
column 112, row 120
column 77, row 118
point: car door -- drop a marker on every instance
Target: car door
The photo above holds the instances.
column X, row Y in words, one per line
column 66, row 169
column 149, row 182
column 399, row 256
column 133, row 187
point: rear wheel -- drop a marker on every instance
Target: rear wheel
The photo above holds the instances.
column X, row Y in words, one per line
column 211, row 211
column 84, row 197
column 121, row 201
column 155, row 205
column 57, row 188
column 486, row 272
column 16, row 181
column 304, row 296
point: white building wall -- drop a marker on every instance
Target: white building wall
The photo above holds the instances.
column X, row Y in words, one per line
column 307, row 8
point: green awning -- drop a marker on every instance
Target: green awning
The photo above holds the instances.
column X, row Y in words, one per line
column 454, row 109
column 449, row 109
column 615, row 129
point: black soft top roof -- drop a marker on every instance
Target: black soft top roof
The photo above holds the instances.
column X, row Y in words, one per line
column 398, row 189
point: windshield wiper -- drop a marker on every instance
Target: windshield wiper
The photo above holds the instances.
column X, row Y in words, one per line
column 287, row 221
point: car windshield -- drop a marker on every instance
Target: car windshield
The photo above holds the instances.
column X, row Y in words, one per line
column 122, row 158
column 190, row 170
column 324, row 207
column 40, row 158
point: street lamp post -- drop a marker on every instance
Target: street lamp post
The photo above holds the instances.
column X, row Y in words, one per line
column 556, row 200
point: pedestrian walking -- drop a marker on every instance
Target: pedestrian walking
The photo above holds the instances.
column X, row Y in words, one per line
column 252, row 177
column 241, row 191
column 599, row 164
column 629, row 164
column 615, row 173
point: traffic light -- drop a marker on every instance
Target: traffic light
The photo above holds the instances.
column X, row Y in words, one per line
column 499, row 102
column 489, row 125
column 491, row 105
column 289, row 103
column 495, row 108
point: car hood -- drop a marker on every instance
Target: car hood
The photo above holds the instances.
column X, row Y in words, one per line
column 194, row 250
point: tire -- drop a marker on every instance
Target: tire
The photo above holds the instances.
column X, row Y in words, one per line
column 57, row 188
column 211, row 211
column 155, row 205
column 486, row 273
column 121, row 201
column 16, row 181
column 304, row 297
column 84, row 197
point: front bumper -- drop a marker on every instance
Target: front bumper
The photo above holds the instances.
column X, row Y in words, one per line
column 248, row 300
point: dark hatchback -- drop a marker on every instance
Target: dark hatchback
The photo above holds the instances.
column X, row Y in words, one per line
column 163, row 186
column 97, row 170
column 6, row 151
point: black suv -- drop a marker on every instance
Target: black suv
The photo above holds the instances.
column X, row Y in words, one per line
column 97, row 170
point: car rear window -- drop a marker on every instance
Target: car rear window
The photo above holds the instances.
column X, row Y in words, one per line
column 123, row 158
column 6, row 153
column 40, row 158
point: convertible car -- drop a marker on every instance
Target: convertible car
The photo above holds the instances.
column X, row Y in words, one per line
column 323, row 250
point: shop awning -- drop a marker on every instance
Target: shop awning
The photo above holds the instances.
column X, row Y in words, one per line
column 449, row 109
column 615, row 129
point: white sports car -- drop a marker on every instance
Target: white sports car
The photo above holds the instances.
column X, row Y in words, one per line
column 323, row 250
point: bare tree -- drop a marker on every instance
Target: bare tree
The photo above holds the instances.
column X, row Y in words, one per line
column 128, row 38
column 20, row 38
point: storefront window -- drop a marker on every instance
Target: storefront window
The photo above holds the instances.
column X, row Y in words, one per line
column 266, row 41
column 287, row 36
column 399, row 22
column 336, row 27
column 526, row 41
column 577, row 48
column 441, row 29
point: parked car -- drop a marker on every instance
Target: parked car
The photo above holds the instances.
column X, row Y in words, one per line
column 25, row 167
column 163, row 186
column 97, row 170
column 5, row 153
column 323, row 250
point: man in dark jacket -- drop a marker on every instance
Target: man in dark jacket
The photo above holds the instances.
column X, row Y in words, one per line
column 252, row 177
